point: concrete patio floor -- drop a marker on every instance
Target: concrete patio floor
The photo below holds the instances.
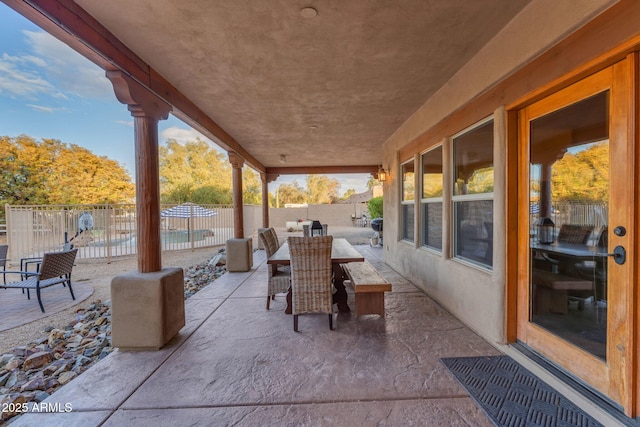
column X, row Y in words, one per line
column 17, row 310
column 235, row 363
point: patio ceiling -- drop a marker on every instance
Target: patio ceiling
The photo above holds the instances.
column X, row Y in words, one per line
column 326, row 90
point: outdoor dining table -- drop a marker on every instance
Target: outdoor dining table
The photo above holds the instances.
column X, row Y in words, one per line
column 570, row 250
column 567, row 254
column 341, row 252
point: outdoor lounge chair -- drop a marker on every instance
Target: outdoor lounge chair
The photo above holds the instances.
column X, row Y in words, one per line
column 3, row 261
column 55, row 269
column 311, row 271
column 279, row 278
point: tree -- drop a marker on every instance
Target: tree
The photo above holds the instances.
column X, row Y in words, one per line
column 251, row 187
column 197, row 172
column 372, row 182
column 186, row 167
column 321, row 189
column 290, row 193
column 583, row 176
column 348, row 193
column 52, row 172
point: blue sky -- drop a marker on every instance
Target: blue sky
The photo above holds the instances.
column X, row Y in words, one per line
column 47, row 90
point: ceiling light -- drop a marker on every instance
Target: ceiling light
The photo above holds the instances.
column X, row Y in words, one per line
column 308, row 12
column 283, row 158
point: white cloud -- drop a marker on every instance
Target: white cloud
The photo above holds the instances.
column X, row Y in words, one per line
column 18, row 80
column 70, row 71
column 125, row 122
column 183, row 135
column 43, row 109
column 51, row 68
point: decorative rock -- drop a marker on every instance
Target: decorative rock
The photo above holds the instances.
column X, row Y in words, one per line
column 19, row 351
column 4, row 378
column 13, row 400
column 80, row 361
column 66, row 377
column 4, row 359
column 16, row 377
column 14, row 362
column 35, row 384
column 55, row 335
column 38, row 360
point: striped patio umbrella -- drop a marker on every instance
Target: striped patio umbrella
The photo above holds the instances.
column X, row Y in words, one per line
column 187, row 210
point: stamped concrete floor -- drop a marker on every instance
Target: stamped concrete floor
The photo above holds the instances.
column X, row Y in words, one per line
column 235, row 363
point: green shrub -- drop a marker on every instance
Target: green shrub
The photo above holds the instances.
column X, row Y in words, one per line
column 375, row 207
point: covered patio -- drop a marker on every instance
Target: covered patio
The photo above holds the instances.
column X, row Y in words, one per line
column 363, row 87
column 235, row 363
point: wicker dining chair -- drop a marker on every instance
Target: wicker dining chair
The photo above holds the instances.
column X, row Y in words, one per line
column 55, row 269
column 596, row 270
column 279, row 276
column 570, row 234
column 575, row 234
column 311, row 276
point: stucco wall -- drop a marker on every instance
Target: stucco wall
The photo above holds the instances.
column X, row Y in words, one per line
column 473, row 294
column 336, row 214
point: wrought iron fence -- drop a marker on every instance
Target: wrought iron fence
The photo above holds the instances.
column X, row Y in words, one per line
column 106, row 231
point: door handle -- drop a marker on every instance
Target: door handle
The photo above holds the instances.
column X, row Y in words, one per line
column 619, row 255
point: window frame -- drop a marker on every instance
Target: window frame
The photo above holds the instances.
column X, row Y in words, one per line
column 458, row 199
column 425, row 201
column 407, row 204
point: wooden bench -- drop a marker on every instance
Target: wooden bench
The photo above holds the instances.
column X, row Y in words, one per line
column 369, row 287
column 552, row 290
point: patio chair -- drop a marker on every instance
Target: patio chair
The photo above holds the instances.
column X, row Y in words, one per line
column 274, row 237
column 568, row 234
column 3, row 261
column 279, row 277
column 311, row 276
column 55, row 269
column 596, row 270
column 575, row 234
column 25, row 263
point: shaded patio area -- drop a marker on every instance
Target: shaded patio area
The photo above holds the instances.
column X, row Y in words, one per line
column 235, row 363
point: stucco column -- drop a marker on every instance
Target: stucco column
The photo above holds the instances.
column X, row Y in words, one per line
column 147, row 109
column 236, row 178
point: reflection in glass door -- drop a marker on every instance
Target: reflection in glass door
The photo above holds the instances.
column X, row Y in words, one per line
column 575, row 208
column 569, row 197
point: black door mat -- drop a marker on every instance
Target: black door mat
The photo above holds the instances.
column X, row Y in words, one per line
column 512, row 396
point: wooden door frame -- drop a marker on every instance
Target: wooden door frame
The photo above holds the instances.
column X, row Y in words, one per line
column 625, row 389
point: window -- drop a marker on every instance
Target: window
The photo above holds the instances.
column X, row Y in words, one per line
column 473, row 195
column 408, row 197
column 432, row 199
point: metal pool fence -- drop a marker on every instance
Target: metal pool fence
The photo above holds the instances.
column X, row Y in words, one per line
column 106, row 231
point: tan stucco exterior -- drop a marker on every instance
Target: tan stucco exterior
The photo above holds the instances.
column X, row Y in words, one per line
column 474, row 294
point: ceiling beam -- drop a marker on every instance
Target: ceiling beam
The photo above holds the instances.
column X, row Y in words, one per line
column 315, row 170
column 71, row 24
